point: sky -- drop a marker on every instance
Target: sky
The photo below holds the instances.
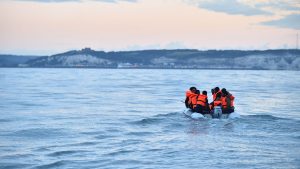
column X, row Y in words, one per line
column 45, row 27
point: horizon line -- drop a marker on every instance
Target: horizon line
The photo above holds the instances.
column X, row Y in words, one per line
column 108, row 51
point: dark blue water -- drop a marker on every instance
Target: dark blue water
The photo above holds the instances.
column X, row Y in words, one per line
column 102, row 118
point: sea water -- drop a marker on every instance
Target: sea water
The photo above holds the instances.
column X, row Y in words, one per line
column 133, row 118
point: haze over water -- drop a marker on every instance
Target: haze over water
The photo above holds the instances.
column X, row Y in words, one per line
column 132, row 118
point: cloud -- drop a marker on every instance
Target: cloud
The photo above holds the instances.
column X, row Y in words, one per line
column 233, row 7
column 283, row 5
column 288, row 10
column 116, row 1
column 248, row 7
column 290, row 21
column 49, row 1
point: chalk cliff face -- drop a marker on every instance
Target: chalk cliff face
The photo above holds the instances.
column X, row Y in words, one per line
column 70, row 60
column 211, row 59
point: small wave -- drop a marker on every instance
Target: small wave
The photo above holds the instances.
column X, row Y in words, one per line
column 90, row 143
column 53, row 165
column 12, row 166
column 148, row 121
column 131, row 141
column 42, row 149
column 167, row 115
column 155, row 149
column 124, row 162
column 156, row 119
column 175, row 125
column 266, row 117
column 15, row 156
column 296, row 137
column 5, row 120
column 67, row 152
column 140, row 133
column 38, row 133
column 120, row 152
column 104, row 136
column 92, row 132
column 51, row 147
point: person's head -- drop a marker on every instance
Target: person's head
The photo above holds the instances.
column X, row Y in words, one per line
column 224, row 90
column 224, row 93
column 218, row 95
column 197, row 92
column 217, row 89
column 204, row 93
column 193, row 89
column 212, row 91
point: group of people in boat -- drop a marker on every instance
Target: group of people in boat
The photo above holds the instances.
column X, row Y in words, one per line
column 198, row 102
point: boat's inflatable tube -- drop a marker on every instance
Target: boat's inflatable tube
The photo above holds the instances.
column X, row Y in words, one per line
column 216, row 114
column 234, row 115
column 194, row 115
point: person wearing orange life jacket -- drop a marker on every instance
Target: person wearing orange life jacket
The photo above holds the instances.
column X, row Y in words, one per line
column 188, row 94
column 194, row 98
column 202, row 104
column 207, row 108
column 217, row 101
column 216, row 91
column 231, row 97
column 229, row 94
column 227, row 102
column 212, row 93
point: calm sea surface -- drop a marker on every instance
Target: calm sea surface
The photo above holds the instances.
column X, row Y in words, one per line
column 114, row 118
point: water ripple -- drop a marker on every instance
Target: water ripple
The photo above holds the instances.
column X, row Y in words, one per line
column 103, row 118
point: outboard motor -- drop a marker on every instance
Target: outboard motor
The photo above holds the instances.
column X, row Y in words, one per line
column 217, row 112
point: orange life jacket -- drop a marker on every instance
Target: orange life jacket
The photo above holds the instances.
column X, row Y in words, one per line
column 188, row 93
column 202, row 100
column 193, row 99
column 231, row 100
column 224, row 101
column 217, row 103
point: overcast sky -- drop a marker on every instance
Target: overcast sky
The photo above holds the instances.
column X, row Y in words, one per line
column 43, row 27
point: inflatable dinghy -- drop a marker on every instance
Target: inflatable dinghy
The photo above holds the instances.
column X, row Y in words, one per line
column 217, row 114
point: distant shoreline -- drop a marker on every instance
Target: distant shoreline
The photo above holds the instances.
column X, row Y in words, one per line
column 287, row 59
column 143, row 68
